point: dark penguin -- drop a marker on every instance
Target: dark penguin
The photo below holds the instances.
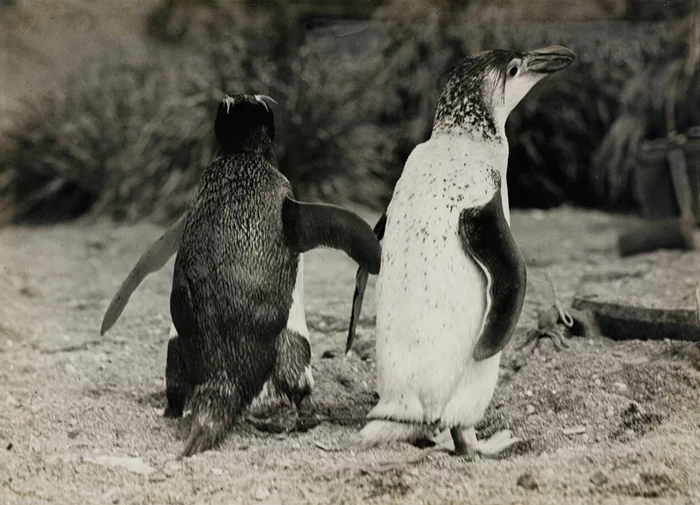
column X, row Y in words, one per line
column 235, row 276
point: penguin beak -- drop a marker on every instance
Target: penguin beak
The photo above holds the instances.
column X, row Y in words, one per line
column 549, row 59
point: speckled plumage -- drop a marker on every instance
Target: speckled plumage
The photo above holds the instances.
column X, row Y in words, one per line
column 466, row 102
column 232, row 287
column 237, row 296
column 452, row 280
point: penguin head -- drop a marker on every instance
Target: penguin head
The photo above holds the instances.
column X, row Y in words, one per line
column 245, row 123
column 483, row 89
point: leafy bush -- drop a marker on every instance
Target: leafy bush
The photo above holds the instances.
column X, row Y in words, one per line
column 555, row 132
column 118, row 139
column 131, row 142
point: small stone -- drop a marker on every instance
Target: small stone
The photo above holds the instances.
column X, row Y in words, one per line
column 69, row 368
column 296, row 445
column 12, row 401
column 527, row 481
column 630, row 433
column 610, row 412
column 599, row 478
column 172, row 468
column 328, row 355
column 529, row 410
column 620, row 386
column 133, row 465
column 598, row 382
column 576, row 430
column 261, row 493
column 157, row 477
column 528, row 393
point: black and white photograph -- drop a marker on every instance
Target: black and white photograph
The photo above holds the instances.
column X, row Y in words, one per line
column 286, row 252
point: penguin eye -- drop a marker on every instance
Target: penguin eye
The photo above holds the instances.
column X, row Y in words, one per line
column 513, row 70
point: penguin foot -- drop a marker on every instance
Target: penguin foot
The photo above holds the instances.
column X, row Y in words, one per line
column 465, row 441
column 535, row 337
column 498, row 442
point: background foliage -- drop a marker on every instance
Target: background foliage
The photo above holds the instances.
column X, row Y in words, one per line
column 130, row 141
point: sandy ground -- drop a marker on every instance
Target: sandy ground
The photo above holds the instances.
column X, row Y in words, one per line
column 81, row 416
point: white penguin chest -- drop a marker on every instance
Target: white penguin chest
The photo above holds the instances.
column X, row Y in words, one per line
column 426, row 276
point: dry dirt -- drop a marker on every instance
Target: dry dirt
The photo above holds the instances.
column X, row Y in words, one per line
column 81, row 416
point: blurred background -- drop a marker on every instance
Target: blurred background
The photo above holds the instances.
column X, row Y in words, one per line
column 106, row 108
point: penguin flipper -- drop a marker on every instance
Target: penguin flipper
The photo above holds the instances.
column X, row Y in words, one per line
column 152, row 260
column 311, row 225
column 360, row 286
column 486, row 237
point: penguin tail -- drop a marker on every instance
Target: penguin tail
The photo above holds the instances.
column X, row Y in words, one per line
column 380, row 431
column 214, row 411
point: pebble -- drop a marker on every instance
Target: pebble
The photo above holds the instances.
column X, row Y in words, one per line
column 620, row 386
column 598, row 382
column 296, row 445
column 599, row 478
column 576, row 430
column 630, row 433
column 261, row 493
column 133, row 465
column 528, row 393
column 12, row 401
column 529, row 410
column 610, row 412
column 157, row 477
column 171, row 468
column 69, row 368
column 527, row 481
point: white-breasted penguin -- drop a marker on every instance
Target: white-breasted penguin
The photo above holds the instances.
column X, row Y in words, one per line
column 452, row 280
column 237, row 297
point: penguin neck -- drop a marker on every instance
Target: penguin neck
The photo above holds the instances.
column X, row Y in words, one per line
column 260, row 145
column 477, row 150
column 473, row 145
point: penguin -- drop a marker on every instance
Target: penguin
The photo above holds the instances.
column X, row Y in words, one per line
column 239, row 330
column 452, row 280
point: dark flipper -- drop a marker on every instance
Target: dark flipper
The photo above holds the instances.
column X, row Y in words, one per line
column 155, row 257
column 360, row 286
column 311, row 225
column 486, row 237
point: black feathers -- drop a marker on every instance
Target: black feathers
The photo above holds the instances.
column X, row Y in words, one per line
column 310, row 225
column 465, row 101
column 486, row 236
column 245, row 124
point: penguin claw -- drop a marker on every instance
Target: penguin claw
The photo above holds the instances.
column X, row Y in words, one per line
column 498, row 442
